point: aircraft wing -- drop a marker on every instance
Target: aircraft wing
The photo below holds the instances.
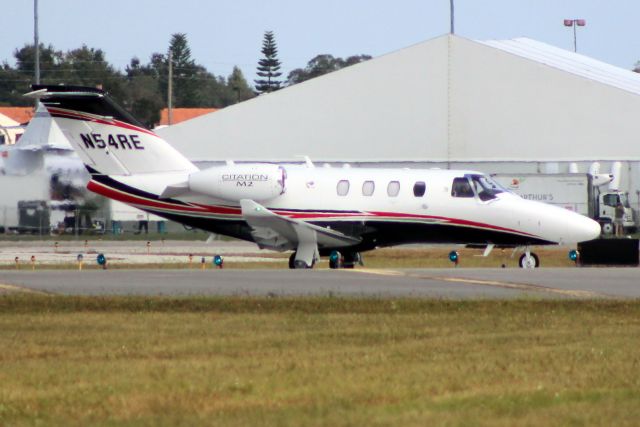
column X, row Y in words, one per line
column 278, row 232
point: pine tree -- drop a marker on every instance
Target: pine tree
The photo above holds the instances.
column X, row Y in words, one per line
column 269, row 66
column 239, row 86
column 187, row 74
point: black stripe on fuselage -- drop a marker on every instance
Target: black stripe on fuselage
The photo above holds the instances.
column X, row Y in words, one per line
column 374, row 234
column 107, row 181
column 379, row 233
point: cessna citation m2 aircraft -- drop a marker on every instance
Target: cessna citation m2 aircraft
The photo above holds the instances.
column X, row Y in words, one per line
column 312, row 211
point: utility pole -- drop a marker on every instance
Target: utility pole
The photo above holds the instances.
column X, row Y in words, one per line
column 452, row 30
column 36, row 42
column 170, row 90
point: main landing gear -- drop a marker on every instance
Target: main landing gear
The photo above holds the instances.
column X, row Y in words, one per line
column 529, row 260
column 336, row 260
column 348, row 260
column 299, row 263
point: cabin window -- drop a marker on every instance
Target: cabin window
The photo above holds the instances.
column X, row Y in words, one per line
column 368, row 188
column 461, row 188
column 343, row 187
column 419, row 188
column 393, row 188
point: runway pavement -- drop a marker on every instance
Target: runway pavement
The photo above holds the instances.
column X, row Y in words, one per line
column 577, row 283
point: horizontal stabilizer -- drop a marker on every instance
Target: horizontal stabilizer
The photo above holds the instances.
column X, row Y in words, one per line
column 174, row 190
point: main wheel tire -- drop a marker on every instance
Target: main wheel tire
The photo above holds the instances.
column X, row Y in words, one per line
column 531, row 261
column 292, row 261
column 350, row 259
column 296, row 264
column 334, row 262
column 299, row 264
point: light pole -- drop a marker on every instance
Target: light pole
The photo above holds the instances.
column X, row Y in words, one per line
column 36, row 41
column 575, row 23
column 452, row 31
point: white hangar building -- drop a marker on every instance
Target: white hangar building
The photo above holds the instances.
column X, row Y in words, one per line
column 496, row 106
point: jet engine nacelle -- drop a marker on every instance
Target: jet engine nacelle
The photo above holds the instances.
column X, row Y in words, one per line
column 258, row 182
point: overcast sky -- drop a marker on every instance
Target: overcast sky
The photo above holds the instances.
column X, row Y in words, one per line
column 227, row 33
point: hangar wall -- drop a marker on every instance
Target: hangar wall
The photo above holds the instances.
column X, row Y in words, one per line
column 508, row 107
column 387, row 108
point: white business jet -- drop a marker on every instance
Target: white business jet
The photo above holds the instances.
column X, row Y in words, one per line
column 313, row 211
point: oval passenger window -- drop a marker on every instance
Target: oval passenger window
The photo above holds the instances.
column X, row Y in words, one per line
column 393, row 188
column 368, row 188
column 343, row 187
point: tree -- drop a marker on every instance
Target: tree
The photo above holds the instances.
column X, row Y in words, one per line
column 323, row 64
column 239, row 86
column 269, row 66
column 142, row 88
column 87, row 66
column 13, row 85
column 185, row 73
column 82, row 66
column 14, row 82
column 144, row 98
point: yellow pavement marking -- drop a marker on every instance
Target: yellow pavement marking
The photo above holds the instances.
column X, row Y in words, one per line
column 378, row 272
column 14, row 288
column 481, row 282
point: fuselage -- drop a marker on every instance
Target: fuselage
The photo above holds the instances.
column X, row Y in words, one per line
column 383, row 207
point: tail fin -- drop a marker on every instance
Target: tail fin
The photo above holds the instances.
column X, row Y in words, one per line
column 108, row 139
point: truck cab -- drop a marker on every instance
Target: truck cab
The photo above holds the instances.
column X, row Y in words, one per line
column 606, row 211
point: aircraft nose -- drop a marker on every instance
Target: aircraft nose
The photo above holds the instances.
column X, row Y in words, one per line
column 582, row 229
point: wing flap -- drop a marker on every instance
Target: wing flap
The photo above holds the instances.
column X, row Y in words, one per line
column 281, row 233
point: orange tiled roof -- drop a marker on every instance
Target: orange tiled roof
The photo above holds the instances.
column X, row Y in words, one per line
column 19, row 114
column 182, row 114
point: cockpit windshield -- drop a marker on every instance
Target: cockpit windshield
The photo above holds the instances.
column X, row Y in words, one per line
column 486, row 188
column 470, row 185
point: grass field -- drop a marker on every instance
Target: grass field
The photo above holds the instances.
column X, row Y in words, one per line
column 317, row 361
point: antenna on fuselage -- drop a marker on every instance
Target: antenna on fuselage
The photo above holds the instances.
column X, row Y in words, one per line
column 307, row 160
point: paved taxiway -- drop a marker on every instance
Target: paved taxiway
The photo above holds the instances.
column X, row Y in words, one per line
column 438, row 283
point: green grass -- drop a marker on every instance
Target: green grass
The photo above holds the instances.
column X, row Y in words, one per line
column 317, row 361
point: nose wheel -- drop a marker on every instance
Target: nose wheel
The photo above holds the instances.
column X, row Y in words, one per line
column 529, row 260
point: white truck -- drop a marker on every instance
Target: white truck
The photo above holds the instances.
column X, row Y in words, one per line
column 573, row 191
